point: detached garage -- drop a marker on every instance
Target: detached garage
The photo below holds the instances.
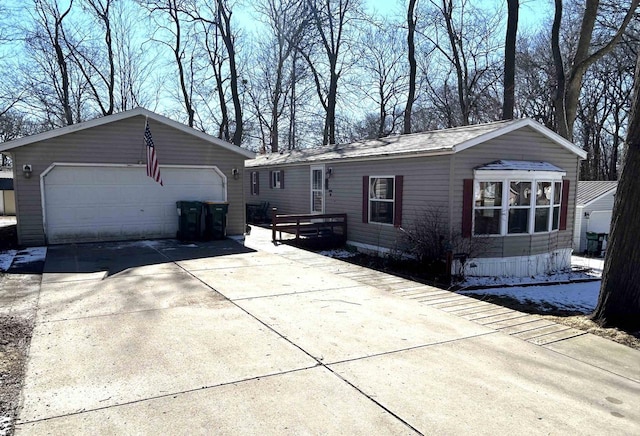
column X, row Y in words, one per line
column 88, row 182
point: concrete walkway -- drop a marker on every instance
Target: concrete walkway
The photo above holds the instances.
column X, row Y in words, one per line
column 217, row 338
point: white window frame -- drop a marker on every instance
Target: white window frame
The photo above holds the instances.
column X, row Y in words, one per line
column 275, row 179
column 321, row 190
column 393, row 201
column 254, row 182
column 508, row 176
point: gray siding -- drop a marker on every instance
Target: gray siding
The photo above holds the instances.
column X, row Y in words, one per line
column 524, row 144
column 429, row 183
column 293, row 199
column 425, row 186
column 120, row 142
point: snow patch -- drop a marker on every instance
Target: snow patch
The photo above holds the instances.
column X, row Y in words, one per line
column 6, row 258
column 580, row 297
column 338, row 253
column 29, row 255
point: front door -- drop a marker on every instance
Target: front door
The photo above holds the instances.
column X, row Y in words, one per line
column 317, row 189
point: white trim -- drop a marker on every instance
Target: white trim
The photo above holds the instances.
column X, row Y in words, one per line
column 384, row 200
column 107, row 165
column 369, row 248
column 122, row 116
column 516, row 266
column 523, row 175
column 311, row 190
column 527, row 177
column 404, row 155
column 525, row 122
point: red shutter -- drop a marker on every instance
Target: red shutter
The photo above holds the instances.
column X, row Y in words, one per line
column 281, row 179
column 270, row 179
column 467, row 208
column 365, row 199
column 257, row 183
column 564, row 205
column 397, row 213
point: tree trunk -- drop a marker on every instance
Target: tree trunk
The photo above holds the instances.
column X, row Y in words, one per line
column 411, row 47
column 619, row 301
column 558, row 98
column 508, row 100
column 224, row 23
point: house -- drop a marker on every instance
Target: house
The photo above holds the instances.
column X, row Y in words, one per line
column 87, row 182
column 507, row 187
column 594, row 207
column 7, row 195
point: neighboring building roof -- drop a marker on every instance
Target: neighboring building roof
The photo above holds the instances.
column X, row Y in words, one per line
column 435, row 142
column 519, row 165
column 121, row 116
column 590, row 191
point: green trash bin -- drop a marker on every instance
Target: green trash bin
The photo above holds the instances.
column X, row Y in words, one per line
column 189, row 220
column 593, row 244
column 215, row 220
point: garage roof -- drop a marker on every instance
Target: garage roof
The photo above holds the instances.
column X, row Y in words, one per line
column 121, row 116
column 590, row 191
column 446, row 141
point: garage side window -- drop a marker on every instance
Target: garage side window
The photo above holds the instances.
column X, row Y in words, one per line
column 255, row 183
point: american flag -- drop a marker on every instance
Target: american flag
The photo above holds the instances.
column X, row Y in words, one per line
column 153, row 170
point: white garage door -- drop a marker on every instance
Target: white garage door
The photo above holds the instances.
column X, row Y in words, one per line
column 108, row 203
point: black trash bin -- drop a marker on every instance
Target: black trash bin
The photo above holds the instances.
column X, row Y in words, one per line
column 215, row 220
column 189, row 220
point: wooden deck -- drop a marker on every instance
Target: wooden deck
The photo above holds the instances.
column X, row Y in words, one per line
column 311, row 229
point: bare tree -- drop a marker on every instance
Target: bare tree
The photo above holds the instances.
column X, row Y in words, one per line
column 218, row 14
column 385, row 80
column 287, row 20
column 508, row 100
column 462, row 35
column 332, row 20
column 49, row 35
column 569, row 83
column 619, row 300
column 89, row 59
column 174, row 9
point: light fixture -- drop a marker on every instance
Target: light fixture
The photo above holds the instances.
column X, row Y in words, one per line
column 235, row 173
column 329, row 172
column 26, row 171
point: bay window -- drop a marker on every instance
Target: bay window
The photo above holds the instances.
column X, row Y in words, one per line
column 516, row 197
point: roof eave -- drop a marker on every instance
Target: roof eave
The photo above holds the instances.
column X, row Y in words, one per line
column 525, row 122
column 439, row 152
column 118, row 117
column 599, row 197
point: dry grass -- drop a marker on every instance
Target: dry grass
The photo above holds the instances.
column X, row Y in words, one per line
column 582, row 322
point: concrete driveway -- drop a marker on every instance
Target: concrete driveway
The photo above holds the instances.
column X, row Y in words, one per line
column 217, row 338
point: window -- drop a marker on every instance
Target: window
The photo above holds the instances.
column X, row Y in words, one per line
column 381, row 199
column 524, row 200
column 488, row 208
column 255, row 183
column 519, row 207
column 277, row 179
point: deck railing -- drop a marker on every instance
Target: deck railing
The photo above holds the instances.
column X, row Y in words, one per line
column 310, row 226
